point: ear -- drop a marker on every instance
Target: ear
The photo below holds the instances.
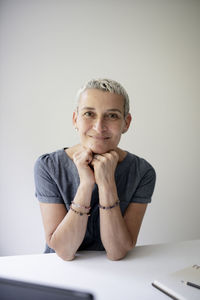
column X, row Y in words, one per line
column 74, row 118
column 128, row 119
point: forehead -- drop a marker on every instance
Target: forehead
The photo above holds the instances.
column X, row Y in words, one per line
column 99, row 99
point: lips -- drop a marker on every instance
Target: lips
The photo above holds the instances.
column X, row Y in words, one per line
column 100, row 138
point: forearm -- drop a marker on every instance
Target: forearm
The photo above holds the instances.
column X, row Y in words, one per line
column 115, row 236
column 70, row 233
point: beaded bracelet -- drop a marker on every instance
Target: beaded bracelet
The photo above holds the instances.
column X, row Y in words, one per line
column 80, row 206
column 109, row 207
column 79, row 213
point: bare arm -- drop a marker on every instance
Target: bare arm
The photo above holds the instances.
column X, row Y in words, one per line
column 118, row 233
column 64, row 230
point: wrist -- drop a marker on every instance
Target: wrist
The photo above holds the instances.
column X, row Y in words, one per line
column 86, row 187
column 107, row 188
column 108, row 195
column 83, row 195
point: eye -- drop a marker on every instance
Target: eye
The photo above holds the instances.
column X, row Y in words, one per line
column 113, row 116
column 89, row 114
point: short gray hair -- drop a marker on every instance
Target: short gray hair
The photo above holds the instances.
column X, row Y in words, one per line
column 107, row 85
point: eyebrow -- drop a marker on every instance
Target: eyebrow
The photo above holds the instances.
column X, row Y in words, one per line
column 110, row 109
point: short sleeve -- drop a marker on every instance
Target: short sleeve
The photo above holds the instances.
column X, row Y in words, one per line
column 46, row 189
column 145, row 188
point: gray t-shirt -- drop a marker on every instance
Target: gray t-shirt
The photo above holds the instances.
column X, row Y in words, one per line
column 57, row 180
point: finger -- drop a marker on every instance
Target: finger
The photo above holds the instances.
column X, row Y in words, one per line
column 108, row 155
column 88, row 158
column 96, row 160
column 96, row 156
column 89, row 154
column 99, row 157
column 114, row 154
column 83, row 157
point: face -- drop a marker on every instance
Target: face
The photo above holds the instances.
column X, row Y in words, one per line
column 100, row 120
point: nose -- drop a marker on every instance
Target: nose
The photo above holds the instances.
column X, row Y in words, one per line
column 99, row 125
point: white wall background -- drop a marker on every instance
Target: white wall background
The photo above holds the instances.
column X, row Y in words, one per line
column 48, row 50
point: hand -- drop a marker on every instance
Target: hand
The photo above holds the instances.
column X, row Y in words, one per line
column 82, row 159
column 104, row 168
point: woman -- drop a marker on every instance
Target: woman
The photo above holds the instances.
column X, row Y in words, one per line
column 93, row 196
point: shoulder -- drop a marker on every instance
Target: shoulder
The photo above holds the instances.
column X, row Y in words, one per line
column 50, row 161
column 138, row 162
column 139, row 167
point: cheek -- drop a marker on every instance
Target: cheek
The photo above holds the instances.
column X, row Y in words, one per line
column 116, row 136
column 118, row 129
column 83, row 126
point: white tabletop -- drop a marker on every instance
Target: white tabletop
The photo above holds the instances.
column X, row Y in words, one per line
column 91, row 271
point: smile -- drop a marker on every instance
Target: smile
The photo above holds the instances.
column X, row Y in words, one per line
column 100, row 138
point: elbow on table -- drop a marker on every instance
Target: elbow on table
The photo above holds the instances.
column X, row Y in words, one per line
column 61, row 252
column 119, row 255
column 115, row 257
column 66, row 257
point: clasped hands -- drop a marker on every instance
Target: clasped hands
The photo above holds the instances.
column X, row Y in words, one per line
column 96, row 168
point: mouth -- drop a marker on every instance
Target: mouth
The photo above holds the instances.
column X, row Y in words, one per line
column 99, row 138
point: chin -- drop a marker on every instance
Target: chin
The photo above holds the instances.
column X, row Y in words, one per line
column 100, row 150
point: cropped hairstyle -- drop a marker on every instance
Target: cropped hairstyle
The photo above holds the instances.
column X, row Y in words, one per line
column 107, row 85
